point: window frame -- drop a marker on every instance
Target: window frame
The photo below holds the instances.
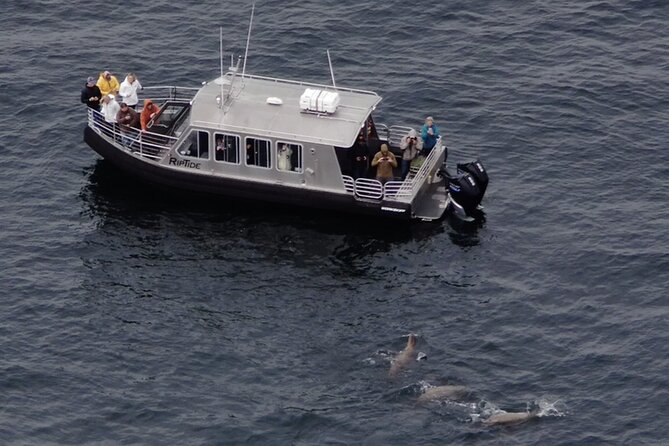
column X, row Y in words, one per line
column 300, row 156
column 239, row 143
column 269, row 152
column 198, row 145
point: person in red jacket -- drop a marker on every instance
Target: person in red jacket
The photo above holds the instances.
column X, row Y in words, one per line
column 149, row 111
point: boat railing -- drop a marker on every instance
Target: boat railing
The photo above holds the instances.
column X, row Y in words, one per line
column 309, row 84
column 396, row 133
column 162, row 93
column 428, row 165
column 371, row 189
column 368, row 188
column 148, row 145
column 398, row 189
column 393, row 134
column 404, row 191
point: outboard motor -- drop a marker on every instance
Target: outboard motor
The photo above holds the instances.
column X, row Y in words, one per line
column 465, row 192
column 476, row 170
column 466, row 188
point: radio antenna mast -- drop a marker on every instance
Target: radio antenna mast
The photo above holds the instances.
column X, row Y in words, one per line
column 248, row 39
column 221, row 55
column 331, row 71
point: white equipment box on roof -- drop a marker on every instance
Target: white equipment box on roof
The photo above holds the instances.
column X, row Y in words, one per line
column 321, row 101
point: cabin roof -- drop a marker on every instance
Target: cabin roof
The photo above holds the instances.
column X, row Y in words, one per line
column 247, row 111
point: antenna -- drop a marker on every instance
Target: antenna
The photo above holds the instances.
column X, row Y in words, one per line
column 248, row 38
column 221, row 54
column 331, row 71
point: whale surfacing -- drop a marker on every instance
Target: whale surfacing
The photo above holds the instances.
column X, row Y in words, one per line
column 404, row 357
column 442, row 393
column 509, row 418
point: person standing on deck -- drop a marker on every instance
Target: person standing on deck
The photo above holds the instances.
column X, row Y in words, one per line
column 128, row 119
column 430, row 134
column 108, row 84
column 149, row 112
column 110, row 108
column 411, row 146
column 384, row 161
column 359, row 156
column 128, row 90
column 91, row 95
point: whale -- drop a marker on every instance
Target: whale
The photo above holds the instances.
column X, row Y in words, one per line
column 404, row 357
column 442, row 393
column 509, row 418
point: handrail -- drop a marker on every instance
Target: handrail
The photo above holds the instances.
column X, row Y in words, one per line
column 398, row 189
column 171, row 92
column 309, row 84
column 395, row 190
column 429, row 163
column 368, row 188
column 349, row 184
column 146, row 144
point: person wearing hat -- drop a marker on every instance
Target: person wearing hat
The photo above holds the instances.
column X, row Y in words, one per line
column 430, row 134
column 108, row 84
column 384, row 161
column 410, row 145
column 90, row 94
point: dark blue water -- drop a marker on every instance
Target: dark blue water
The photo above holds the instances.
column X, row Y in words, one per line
column 129, row 317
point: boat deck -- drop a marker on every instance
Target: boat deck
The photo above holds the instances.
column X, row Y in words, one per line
column 432, row 204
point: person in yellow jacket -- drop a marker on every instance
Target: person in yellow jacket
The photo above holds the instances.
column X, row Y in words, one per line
column 108, row 84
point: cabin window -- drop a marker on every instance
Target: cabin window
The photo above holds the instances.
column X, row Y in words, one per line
column 258, row 152
column 289, row 157
column 227, row 148
column 196, row 145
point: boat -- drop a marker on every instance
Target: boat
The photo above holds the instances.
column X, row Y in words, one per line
column 263, row 139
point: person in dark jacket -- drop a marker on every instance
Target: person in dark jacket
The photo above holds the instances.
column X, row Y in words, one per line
column 128, row 119
column 91, row 95
column 359, row 157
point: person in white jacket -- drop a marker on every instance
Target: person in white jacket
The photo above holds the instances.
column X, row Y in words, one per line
column 128, row 90
column 283, row 157
column 110, row 108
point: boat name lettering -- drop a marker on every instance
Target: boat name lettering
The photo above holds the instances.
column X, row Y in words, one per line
column 385, row 208
column 183, row 163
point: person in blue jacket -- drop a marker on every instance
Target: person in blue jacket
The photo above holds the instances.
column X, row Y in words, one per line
column 430, row 134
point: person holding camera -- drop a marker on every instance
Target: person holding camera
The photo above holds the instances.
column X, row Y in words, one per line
column 384, row 161
column 410, row 145
column 430, row 135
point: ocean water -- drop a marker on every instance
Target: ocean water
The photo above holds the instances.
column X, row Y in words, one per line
column 131, row 317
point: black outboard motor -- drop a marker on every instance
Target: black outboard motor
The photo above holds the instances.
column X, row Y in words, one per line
column 466, row 188
column 476, row 170
column 465, row 192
